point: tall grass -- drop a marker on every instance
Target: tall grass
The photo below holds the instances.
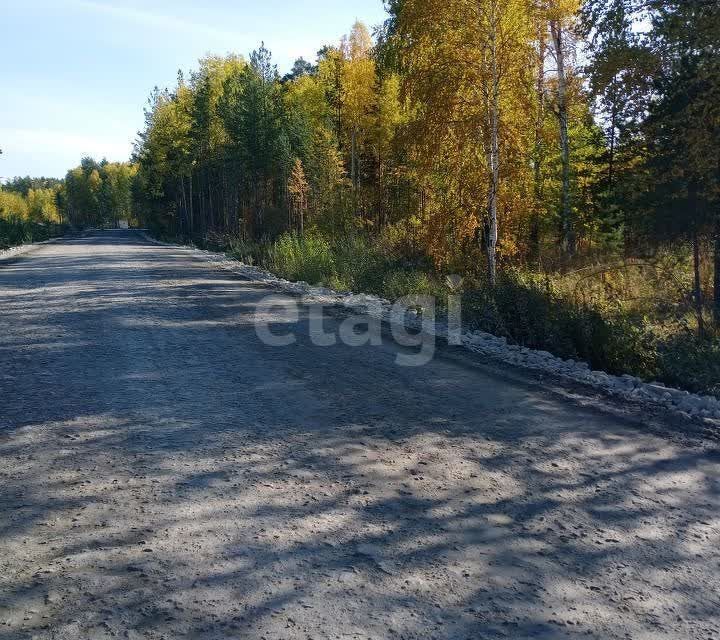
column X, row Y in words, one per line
column 307, row 258
column 546, row 312
column 15, row 232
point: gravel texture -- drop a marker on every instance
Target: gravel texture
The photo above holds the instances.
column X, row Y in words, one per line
column 165, row 474
column 21, row 249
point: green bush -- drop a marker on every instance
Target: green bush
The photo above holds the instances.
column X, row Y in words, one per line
column 530, row 310
column 691, row 363
column 359, row 266
column 247, row 251
column 405, row 282
column 308, row 258
column 17, row 232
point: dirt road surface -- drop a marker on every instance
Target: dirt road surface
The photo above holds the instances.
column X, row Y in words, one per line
column 165, row 474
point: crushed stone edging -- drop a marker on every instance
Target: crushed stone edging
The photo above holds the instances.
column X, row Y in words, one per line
column 699, row 408
column 6, row 254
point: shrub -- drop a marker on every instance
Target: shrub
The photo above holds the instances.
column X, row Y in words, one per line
column 691, row 363
column 16, row 232
column 247, row 251
column 403, row 282
column 307, row 258
column 532, row 311
column 359, row 266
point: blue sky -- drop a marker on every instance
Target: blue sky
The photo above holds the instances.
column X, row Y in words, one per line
column 75, row 74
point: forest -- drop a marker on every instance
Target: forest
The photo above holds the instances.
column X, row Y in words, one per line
column 94, row 194
column 30, row 210
column 561, row 156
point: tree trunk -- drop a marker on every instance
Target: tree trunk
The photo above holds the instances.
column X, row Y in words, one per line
column 181, row 224
column 566, row 224
column 211, row 210
column 697, row 293
column 202, row 218
column 353, row 170
column 716, row 268
column 611, row 151
column 491, row 235
column 716, row 263
column 491, row 230
column 538, row 151
column 381, row 208
column 226, row 208
column 192, row 221
column 302, row 215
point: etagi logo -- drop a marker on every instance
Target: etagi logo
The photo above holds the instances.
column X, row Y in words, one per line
column 411, row 321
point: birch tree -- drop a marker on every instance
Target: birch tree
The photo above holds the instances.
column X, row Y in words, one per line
column 467, row 72
column 560, row 14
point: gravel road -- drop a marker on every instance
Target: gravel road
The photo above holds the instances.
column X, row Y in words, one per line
column 165, row 474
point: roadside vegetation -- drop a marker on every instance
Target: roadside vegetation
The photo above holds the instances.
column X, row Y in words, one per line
column 29, row 211
column 580, row 203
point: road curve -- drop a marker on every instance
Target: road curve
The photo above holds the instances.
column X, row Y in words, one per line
column 166, row 474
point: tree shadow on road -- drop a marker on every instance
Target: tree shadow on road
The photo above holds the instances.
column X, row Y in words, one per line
column 165, row 474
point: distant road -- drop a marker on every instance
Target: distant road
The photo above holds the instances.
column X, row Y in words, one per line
column 165, row 474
